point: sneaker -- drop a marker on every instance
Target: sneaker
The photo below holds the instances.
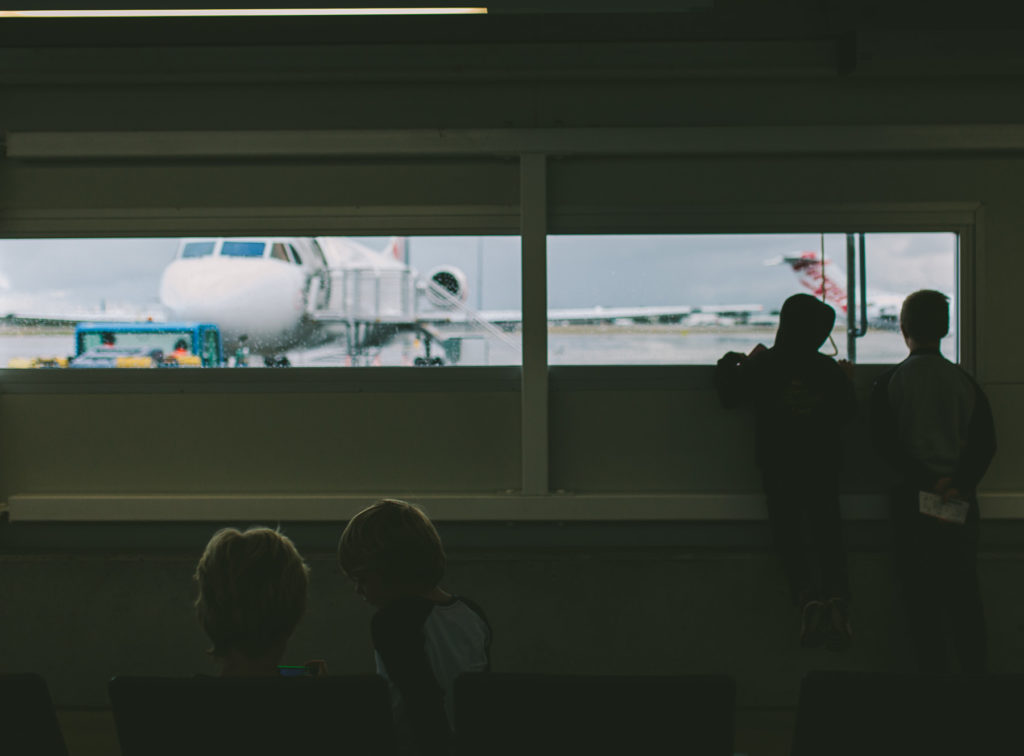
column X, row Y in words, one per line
column 812, row 623
column 838, row 631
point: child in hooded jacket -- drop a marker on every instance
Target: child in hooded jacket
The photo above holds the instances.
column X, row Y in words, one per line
column 801, row 398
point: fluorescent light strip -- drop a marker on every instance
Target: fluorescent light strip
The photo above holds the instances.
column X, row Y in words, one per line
column 215, row 12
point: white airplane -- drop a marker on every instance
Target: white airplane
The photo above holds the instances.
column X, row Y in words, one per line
column 883, row 308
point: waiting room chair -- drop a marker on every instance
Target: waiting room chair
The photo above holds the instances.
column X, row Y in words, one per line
column 848, row 713
column 159, row 716
column 506, row 714
column 28, row 722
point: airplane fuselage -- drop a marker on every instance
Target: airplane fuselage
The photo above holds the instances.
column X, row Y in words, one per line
column 256, row 295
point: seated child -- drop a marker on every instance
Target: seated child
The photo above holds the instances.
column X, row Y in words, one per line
column 801, row 398
column 252, row 594
column 423, row 637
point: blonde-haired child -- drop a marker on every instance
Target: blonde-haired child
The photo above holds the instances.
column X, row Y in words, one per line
column 252, row 594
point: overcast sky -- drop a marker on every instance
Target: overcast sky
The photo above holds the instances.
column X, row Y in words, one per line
column 38, row 275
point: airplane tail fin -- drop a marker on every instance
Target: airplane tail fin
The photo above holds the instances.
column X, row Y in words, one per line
column 398, row 247
column 823, row 284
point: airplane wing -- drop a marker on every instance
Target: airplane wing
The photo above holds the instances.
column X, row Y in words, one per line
column 464, row 315
column 73, row 317
column 580, row 315
column 599, row 314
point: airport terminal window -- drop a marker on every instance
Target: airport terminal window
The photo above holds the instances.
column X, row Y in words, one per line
column 688, row 299
column 341, row 301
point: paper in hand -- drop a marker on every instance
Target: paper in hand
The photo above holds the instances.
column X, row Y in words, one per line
column 949, row 510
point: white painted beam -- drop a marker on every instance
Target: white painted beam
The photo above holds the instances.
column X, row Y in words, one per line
column 246, row 508
column 535, row 441
column 684, row 140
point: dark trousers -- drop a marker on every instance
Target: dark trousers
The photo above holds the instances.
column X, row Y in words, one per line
column 807, row 528
column 936, row 564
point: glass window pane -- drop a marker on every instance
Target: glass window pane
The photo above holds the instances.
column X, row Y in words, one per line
column 132, row 336
column 371, row 301
column 688, row 299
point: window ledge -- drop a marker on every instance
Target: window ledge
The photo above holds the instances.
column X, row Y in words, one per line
column 555, row 507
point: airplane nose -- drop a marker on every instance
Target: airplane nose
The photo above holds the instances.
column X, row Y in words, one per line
column 257, row 297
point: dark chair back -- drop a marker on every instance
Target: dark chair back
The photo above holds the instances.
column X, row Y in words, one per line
column 505, row 714
column 847, row 713
column 158, row 716
column 28, row 723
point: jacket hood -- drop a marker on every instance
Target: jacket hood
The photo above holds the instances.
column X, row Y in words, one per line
column 804, row 323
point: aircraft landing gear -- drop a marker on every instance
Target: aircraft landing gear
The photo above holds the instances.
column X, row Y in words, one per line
column 427, row 360
column 280, row 361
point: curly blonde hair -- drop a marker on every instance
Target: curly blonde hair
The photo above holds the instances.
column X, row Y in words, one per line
column 395, row 540
column 252, row 590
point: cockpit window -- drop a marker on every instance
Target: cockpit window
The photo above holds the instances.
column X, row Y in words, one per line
column 295, row 254
column 197, row 249
column 242, row 249
column 278, row 252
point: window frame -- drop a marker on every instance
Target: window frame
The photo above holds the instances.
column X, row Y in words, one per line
column 533, row 220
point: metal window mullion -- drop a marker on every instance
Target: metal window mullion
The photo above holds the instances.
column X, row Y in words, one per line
column 533, row 225
column 968, row 277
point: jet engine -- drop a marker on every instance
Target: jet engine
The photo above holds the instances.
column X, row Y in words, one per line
column 446, row 280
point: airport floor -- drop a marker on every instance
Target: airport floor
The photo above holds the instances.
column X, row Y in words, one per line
column 759, row 732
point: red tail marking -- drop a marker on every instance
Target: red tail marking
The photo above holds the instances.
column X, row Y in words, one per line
column 398, row 248
column 808, row 270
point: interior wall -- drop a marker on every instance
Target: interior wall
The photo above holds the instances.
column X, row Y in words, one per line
column 257, row 443
column 81, row 619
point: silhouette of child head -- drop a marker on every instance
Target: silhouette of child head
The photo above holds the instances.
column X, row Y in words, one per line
column 804, row 323
column 252, row 594
column 391, row 550
column 924, row 317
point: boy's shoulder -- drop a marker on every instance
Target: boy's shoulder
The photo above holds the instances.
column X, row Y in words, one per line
column 923, row 364
column 407, row 617
column 931, row 367
column 471, row 605
column 401, row 614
